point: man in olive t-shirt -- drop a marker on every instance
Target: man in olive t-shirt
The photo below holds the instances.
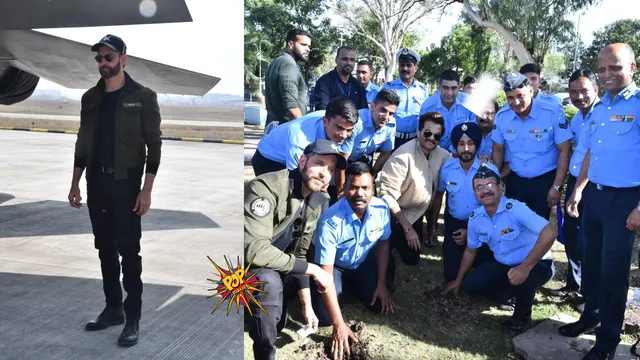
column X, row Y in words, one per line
column 285, row 87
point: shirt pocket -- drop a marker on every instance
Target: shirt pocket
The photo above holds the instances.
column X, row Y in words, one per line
column 540, row 135
column 510, row 135
column 509, row 240
column 452, row 189
column 619, row 127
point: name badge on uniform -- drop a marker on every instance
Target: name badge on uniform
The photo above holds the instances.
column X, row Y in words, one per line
column 622, row 118
column 511, row 131
column 506, row 231
column 363, row 141
column 131, row 105
column 452, row 183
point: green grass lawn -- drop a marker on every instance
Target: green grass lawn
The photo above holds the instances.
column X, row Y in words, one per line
column 427, row 325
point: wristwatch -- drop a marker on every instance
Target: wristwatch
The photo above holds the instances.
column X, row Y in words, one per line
column 557, row 187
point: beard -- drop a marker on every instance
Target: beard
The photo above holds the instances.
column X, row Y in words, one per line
column 107, row 72
column 312, row 183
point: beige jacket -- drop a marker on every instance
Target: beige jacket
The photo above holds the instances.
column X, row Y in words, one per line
column 408, row 179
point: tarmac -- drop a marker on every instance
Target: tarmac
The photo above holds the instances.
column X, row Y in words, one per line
column 50, row 281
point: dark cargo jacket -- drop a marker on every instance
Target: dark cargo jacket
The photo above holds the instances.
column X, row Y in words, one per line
column 137, row 126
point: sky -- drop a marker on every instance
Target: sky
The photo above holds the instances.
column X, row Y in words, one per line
column 212, row 44
column 593, row 18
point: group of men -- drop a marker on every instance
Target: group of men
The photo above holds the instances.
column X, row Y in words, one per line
column 502, row 169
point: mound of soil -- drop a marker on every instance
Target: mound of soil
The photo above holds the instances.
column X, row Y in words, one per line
column 362, row 350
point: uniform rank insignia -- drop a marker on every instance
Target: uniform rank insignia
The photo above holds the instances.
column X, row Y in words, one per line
column 506, row 231
column 622, row 118
column 509, row 206
column 260, row 207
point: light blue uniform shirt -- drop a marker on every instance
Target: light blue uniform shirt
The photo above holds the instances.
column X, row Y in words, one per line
column 343, row 240
column 579, row 126
column 510, row 234
column 532, row 142
column 286, row 143
column 461, row 200
column 370, row 139
column 458, row 114
column 615, row 140
column 372, row 91
column 411, row 98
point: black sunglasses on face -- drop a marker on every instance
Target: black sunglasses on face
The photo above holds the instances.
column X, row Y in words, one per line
column 427, row 134
column 106, row 57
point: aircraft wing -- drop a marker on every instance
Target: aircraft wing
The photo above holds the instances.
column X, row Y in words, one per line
column 71, row 64
column 45, row 14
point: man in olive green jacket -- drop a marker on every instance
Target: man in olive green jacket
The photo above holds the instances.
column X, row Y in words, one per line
column 119, row 119
column 281, row 210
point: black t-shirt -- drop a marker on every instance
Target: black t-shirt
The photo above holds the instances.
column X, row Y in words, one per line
column 106, row 129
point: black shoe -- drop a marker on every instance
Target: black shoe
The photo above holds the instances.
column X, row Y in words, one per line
column 129, row 335
column 510, row 305
column 599, row 355
column 516, row 325
column 575, row 329
column 564, row 291
column 108, row 317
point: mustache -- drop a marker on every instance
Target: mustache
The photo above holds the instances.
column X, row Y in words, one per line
column 359, row 199
column 487, row 194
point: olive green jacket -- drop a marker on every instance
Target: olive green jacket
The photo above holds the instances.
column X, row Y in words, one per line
column 272, row 203
column 137, row 125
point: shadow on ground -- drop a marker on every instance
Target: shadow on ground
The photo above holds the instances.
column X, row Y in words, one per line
column 43, row 317
column 42, row 218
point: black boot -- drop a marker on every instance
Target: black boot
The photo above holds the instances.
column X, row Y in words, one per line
column 129, row 335
column 594, row 354
column 108, row 317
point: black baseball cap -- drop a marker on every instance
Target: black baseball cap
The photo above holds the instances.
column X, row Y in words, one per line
column 326, row 147
column 113, row 42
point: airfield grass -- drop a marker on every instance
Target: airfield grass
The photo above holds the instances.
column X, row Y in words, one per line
column 426, row 325
column 207, row 132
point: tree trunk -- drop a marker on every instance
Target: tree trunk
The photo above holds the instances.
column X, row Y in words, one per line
column 390, row 66
column 518, row 47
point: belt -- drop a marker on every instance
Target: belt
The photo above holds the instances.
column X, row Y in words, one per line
column 105, row 170
column 404, row 135
column 634, row 189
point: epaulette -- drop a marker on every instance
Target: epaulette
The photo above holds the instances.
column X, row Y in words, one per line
column 637, row 93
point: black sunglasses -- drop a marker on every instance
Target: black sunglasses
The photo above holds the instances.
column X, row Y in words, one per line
column 108, row 57
column 427, row 134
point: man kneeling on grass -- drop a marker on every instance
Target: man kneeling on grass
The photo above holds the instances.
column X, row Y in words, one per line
column 520, row 240
column 351, row 242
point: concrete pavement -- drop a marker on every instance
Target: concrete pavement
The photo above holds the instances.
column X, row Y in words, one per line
column 50, row 281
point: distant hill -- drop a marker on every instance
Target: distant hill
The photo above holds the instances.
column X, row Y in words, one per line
column 206, row 100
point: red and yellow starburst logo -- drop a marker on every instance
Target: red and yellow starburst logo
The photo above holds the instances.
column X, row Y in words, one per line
column 237, row 284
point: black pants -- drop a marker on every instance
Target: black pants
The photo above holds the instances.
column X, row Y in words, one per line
column 452, row 252
column 117, row 231
column 533, row 192
column 490, row 280
column 264, row 327
column 262, row 165
column 607, row 260
column 361, row 282
column 399, row 242
column 573, row 239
